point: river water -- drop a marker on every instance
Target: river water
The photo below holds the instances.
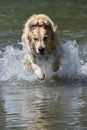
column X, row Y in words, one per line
column 60, row 101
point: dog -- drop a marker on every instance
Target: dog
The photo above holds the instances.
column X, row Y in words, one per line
column 40, row 35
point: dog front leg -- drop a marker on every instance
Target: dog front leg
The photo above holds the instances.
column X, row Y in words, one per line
column 29, row 60
column 38, row 71
column 55, row 65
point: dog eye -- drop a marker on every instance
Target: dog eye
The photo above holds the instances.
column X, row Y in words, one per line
column 35, row 39
column 45, row 38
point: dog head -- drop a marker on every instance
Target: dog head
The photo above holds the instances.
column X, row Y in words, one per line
column 40, row 34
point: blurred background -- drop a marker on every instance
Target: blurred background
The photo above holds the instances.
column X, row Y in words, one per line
column 70, row 16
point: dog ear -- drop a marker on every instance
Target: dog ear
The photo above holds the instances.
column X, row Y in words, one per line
column 52, row 28
column 50, row 25
column 26, row 37
column 32, row 24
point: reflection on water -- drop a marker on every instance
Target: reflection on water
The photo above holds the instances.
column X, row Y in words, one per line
column 41, row 107
column 29, row 104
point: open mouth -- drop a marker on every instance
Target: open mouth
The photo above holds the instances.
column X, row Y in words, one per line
column 42, row 53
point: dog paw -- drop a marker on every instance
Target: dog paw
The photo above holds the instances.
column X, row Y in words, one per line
column 40, row 75
column 37, row 70
column 55, row 68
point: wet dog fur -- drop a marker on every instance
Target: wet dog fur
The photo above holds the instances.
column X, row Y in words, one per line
column 39, row 34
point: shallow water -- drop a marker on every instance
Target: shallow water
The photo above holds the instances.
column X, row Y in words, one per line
column 60, row 101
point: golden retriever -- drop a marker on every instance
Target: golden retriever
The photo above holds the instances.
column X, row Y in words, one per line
column 39, row 34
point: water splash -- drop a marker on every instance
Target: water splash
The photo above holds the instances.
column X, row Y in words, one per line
column 11, row 65
column 70, row 63
column 71, row 66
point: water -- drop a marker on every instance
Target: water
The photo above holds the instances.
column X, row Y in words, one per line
column 60, row 101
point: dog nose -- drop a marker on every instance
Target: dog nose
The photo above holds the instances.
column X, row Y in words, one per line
column 41, row 50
